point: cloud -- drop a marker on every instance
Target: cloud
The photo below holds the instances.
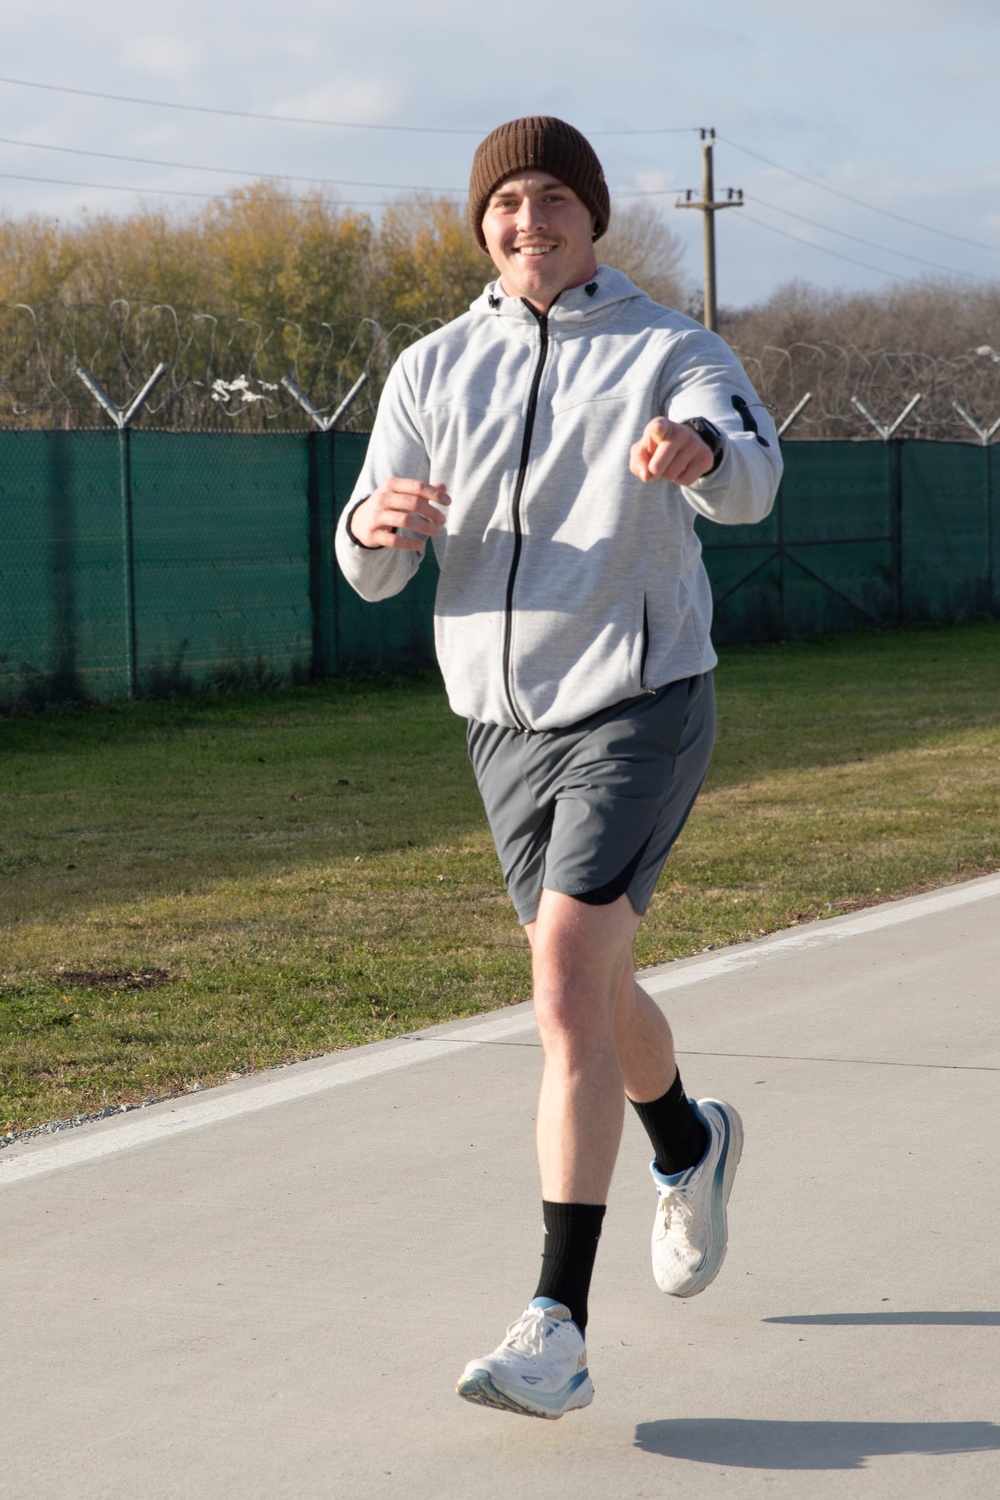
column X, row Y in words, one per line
column 162, row 54
column 656, row 181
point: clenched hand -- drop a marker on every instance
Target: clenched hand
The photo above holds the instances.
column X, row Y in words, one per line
column 398, row 504
column 669, row 450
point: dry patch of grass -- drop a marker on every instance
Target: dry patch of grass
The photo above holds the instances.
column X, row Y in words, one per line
column 197, row 889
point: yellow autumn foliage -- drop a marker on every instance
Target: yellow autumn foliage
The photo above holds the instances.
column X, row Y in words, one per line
column 256, row 285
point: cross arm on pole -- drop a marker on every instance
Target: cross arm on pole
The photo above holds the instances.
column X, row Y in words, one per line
column 708, row 205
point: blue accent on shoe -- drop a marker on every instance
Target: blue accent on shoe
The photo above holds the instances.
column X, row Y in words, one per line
column 673, row 1179
column 480, row 1387
column 712, row 1260
column 545, row 1302
column 552, row 1400
column 725, row 1134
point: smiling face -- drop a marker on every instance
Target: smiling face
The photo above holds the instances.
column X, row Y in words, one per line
column 540, row 236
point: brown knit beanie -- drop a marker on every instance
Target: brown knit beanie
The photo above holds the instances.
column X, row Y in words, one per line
column 538, row 142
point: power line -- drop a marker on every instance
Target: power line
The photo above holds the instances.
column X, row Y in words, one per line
column 859, row 202
column 893, row 275
column 188, row 166
column 248, row 114
column 118, row 187
column 240, row 114
column 884, row 249
column 654, row 130
column 149, row 161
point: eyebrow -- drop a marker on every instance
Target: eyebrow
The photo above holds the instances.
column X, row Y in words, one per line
column 545, row 187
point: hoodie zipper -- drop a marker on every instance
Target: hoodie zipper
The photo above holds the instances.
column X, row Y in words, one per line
column 529, row 423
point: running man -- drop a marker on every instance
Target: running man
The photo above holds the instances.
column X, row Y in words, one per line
column 554, row 444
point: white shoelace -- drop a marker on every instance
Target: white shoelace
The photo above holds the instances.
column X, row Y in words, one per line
column 526, row 1334
column 674, row 1206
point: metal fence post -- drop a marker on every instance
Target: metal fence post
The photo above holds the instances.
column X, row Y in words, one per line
column 128, row 553
column 123, row 416
column 991, row 530
column 326, row 632
column 893, row 450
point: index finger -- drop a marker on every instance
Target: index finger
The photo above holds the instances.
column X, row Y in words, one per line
column 436, row 493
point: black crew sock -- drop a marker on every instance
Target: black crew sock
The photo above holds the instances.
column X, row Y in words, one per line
column 572, row 1231
column 678, row 1137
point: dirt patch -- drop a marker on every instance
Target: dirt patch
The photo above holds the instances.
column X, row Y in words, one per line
column 112, row 979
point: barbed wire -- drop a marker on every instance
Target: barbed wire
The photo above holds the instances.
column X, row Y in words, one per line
column 224, row 372
column 835, row 376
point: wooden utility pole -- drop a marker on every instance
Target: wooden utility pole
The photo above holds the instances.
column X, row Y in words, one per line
column 709, row 208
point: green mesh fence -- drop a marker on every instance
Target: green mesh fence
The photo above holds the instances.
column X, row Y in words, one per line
column 824, row 561
column 62, row 574
column 222, row 554
column 862, row 534
column 152, row 562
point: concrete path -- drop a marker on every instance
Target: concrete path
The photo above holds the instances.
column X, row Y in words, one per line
column 269, row 1289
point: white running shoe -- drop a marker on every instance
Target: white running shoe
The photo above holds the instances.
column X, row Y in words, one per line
column 540, row 1369
column 689, row 1235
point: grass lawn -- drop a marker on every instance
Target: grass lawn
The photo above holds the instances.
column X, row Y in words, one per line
column 196, row 888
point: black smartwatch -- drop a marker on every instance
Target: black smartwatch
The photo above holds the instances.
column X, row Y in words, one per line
column 711, row 437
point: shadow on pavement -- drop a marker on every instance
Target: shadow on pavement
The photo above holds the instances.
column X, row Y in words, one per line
column 744, row 1444
column 898, row 1319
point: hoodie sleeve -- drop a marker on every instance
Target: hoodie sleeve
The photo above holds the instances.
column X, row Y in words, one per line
column 395, row 451
column 703, row 378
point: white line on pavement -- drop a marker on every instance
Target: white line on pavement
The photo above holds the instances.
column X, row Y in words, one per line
column 298, row 1082
column 871, row 920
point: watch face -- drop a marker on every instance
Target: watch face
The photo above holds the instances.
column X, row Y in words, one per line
column 710, row 436
column 707, row 431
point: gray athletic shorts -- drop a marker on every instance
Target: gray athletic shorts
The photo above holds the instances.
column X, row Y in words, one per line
column 593, row 810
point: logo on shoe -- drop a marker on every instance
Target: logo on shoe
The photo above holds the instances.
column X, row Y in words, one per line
column 531, row 1379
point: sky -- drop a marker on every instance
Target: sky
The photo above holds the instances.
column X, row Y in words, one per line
column 865, row 134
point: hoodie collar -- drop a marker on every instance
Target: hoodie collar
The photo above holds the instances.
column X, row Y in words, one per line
column 575, row 305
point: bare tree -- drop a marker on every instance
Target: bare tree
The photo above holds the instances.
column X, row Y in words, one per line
column 639, row 243
column 937, row 339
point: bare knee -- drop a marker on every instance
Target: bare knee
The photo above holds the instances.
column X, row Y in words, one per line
column 580, row 955
column 572, row 1022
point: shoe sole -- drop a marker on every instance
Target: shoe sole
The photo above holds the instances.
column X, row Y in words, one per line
column 729, row 1160
column 479, row 1388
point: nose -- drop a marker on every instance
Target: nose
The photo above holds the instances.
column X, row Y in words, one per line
column 530, row 215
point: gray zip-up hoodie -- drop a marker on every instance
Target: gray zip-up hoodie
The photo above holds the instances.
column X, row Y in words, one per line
column 566, row 583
